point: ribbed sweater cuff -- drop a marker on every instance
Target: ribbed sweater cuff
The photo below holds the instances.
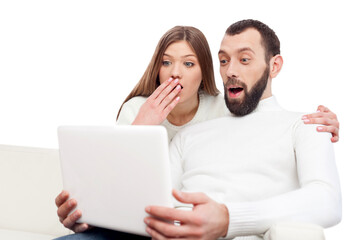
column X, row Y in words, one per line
column 242, row 219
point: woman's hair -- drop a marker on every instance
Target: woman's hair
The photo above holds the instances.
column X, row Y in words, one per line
column 196, row 39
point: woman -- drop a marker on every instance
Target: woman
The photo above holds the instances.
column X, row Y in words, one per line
column 182, row 58
column 177, row 89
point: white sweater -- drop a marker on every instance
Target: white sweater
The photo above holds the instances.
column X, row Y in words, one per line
column 210, row 107
column 265, row 167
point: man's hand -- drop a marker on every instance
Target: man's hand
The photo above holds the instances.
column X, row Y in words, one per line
column 65, row 206
column 207, row 220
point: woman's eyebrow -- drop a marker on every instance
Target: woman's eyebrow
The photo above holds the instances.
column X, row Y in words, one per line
column 185, row 56
column 189, row 55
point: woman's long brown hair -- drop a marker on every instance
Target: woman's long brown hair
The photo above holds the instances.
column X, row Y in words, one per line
column 196, row 39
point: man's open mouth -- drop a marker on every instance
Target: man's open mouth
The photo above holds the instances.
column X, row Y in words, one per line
column 234, row 91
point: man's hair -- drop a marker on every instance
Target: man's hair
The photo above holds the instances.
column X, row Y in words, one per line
column 270, row 41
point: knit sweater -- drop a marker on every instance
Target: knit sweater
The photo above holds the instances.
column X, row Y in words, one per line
column 210, row 107
column 265, row 167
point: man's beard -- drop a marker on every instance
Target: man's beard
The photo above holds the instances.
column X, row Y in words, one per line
column 242, row 107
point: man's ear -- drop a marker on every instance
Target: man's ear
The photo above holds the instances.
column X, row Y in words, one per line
column 276, row 63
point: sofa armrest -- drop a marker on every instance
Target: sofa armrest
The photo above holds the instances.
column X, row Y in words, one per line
column 30, row 179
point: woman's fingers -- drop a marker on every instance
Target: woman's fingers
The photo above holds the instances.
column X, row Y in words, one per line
column 160, row 88
column 170, row 97
column 157, row 107
column 327, row 118
column 171, row 106
column 166, row 91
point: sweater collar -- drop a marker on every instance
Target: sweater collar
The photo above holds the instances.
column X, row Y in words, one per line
column 267, row 105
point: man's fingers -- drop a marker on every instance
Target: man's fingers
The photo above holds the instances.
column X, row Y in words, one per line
column 154, row 234
column 167, row 229
column 169, row 214
column 193, row 198
column 64, row 210
column 70, row 221
column 80, row 227
column 61, row 198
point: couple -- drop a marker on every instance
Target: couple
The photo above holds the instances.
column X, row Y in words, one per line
column 242, row 171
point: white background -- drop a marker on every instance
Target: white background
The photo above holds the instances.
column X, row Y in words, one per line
column 74, row 62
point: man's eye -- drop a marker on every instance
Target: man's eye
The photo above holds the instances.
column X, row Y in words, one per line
column 189, row 64
column 245, row 60
column 223, row 62
column 166, row 63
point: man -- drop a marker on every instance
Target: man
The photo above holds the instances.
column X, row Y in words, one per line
column 245, row 172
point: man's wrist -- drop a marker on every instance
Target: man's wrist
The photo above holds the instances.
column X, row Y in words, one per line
column 226, row 220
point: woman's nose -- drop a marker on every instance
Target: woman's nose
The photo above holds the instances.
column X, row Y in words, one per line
column 176, row 71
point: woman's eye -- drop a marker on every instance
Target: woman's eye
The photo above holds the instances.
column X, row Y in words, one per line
column 166, row 63
column 189, row 64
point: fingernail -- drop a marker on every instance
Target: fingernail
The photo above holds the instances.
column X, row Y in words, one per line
column 147, row 209
column 147, row 221
column 306, row 120
column 176, row 80
column 320, row 128
column 170, row 79
column 177, row 98
column 304, row 117
column 178, row 87
column 317, row 110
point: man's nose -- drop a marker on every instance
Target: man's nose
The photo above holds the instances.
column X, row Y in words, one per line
column 233, row 70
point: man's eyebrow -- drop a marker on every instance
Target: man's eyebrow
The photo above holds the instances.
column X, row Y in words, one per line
column 245, row 49
column 221, row 52
column 239, row 50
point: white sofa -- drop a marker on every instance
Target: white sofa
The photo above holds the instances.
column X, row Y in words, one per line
column 30, row 179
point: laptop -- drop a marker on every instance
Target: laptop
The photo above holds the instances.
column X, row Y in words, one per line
column 114, row 172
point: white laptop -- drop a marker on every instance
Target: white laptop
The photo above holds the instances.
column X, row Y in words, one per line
column 114, row 172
